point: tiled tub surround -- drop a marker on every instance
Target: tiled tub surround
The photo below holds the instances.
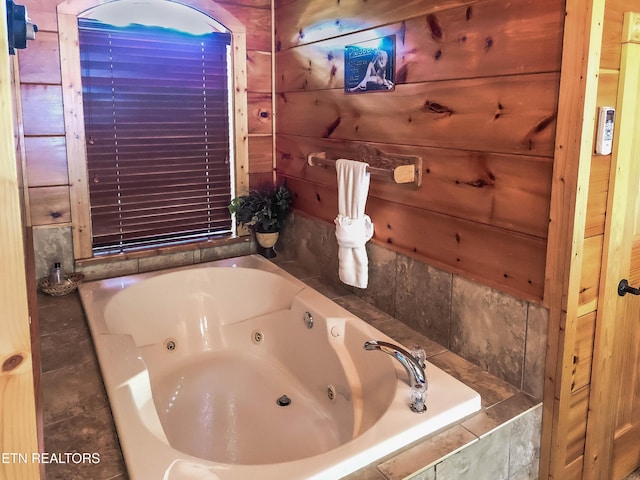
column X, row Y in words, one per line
column 55, row 244
column 213, row 327
column 502, row 334
column 501, row 442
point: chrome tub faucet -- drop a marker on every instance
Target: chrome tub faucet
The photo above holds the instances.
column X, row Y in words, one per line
column 414, row 369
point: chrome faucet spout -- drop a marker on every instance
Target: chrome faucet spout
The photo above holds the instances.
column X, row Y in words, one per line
column 410, row 364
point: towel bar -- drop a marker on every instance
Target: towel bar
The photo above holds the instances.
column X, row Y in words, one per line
column 402, row 169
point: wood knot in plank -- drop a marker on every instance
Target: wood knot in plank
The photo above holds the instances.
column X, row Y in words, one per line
column 12, row 362
column 434, row 27
column 433, row 107
column 331, row 128
column 479, row 183
column 544, row 123
column 538, row 128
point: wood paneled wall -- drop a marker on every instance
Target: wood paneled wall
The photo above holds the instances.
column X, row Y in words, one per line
column 42, row 107
column 491, row 66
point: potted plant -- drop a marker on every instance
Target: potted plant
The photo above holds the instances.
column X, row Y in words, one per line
column 264, row 211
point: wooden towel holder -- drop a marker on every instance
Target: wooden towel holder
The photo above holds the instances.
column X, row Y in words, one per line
column 402, row 169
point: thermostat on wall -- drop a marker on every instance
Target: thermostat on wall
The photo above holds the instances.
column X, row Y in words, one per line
column 604, row 134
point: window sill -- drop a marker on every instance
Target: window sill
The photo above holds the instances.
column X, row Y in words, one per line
column 129, row 263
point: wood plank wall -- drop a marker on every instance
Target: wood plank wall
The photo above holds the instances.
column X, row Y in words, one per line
column 42, row 108
column 565, row 453
column 491, row 66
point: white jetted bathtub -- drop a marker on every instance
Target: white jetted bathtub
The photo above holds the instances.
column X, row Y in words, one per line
column 213, row 374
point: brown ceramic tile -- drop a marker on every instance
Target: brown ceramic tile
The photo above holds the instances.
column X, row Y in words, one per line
column 71, row 391
column 56, row 314
column 97, row 271
column 423, row 298
column 487, row 420
column 88, row 433
column 330, row 291
column 306, row 241
column 295, row 268
column 52, row 244
column 428, row 474
column 381, row 289
column 486, row 459
column 178, row 259
column 530, row 472
column 388, row 325
column 488, row 328
column 491, row 389
column 524, row 444
column 536, row 350
column 66, row 348
column 225, row 251
column 366, row 473
column 422, row 455
column 122, row 476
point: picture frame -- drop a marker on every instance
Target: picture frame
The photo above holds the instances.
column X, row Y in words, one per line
column 370, row 66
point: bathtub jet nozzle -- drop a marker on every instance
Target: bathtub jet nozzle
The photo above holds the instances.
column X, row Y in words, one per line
column 414, row 369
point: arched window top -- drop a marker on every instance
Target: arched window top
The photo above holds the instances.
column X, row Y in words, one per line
column 77, row 8
column 154, row 13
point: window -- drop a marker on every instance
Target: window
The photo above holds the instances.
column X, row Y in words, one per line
column 156, row 114
column 155, row 155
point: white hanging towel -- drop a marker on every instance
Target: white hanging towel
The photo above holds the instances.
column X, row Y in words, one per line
column 353, row 228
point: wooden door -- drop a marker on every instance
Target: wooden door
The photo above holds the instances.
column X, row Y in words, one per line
column 613, row 428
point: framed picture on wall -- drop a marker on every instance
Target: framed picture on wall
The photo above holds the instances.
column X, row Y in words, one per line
column 370, row 66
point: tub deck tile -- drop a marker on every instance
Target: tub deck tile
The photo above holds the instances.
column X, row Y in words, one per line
column 57, row 314
column 65, row 348
column 329, row 291
column 487, row 420
column 91, row 433
column 369, row 472
column 72, row 391
column 492, row 389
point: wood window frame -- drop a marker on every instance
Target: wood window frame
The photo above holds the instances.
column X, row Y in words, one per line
column 68, row 13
